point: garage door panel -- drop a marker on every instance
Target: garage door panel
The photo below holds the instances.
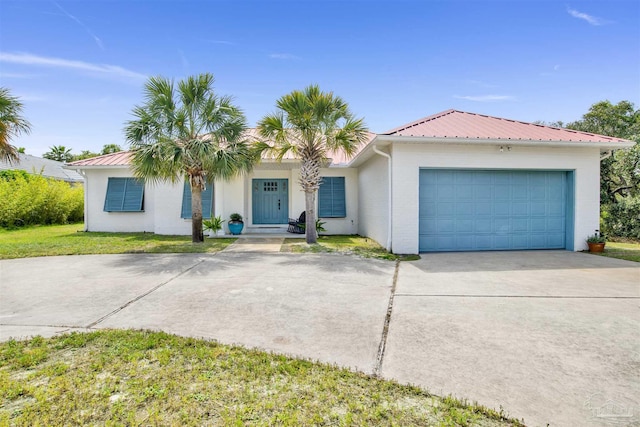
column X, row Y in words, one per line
column 520, row 208
column 464, row 226
column 520, row 225
column 482, row 226
column 492, row 210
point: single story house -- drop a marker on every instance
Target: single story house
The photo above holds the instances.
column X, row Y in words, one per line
column 453, row 181
column 45, row 167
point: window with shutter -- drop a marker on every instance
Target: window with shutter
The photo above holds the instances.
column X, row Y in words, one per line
column 124, row 195
column 207, row 201
column 332, row 198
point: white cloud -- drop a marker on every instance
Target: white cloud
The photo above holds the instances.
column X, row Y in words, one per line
column 219, row 42
column 16, row 75
column 486, row 98
column 44, row 61
column 593, row 20
column 31, row 98
column 283, row 56
column 482, row 84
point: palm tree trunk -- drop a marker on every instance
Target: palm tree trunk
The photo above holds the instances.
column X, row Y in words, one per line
column 196, row 214
column 310, row 208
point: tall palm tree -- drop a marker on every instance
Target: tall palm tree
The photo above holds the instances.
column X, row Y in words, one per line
column 12, row 124
column 188, row 132
column 59, row 153
column 310, row 124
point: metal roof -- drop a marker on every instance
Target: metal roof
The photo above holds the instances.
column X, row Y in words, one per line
column 45, row 167
column 460, row 124
column 121, row 158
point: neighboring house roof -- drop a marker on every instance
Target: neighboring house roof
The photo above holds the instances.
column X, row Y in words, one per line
column 460, row 124
column 45, row 167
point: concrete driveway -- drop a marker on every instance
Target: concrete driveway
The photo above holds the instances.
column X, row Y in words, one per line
column 550, row 336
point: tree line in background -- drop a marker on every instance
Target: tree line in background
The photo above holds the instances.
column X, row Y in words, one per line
column 619, row 169
column 60, row 153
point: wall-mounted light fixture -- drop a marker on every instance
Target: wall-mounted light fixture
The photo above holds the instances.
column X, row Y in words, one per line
column 502, row 148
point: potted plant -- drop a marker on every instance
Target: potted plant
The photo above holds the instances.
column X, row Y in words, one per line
column 596, row 242
column 213, row 225
column 235, row 223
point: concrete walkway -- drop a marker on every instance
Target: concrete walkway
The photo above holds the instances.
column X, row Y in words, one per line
column 551, row 336
column 256, row 244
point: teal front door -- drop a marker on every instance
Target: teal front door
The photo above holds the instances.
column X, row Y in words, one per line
column 270, row 201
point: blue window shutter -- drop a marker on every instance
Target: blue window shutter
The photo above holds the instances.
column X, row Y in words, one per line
column 207, row 201
column 339, row 198
column 332, row 198
column 186, row 201
column 124, row 195
column 133, row 195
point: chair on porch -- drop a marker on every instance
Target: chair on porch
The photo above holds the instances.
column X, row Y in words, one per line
column 297, row 226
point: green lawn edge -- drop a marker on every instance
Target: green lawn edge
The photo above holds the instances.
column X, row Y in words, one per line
column 345, row 244
column 70, row 239
column 127, row 377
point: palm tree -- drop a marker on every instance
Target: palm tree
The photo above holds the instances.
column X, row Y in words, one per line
column 310, row 124
column 59, row 153
column 12, row 124
column 188, row 132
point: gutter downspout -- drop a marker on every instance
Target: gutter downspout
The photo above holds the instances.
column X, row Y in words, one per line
column 389, row 229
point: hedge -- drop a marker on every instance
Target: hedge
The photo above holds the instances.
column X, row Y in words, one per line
column 33, row 199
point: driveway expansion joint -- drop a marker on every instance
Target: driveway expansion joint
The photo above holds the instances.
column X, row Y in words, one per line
column 387, row 320
column 139, row 297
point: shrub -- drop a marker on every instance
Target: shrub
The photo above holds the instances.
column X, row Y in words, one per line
column 622, row 218
column 34, row 199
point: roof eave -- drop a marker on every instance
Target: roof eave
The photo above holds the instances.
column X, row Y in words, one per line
column 385, row 140
column 499, row 141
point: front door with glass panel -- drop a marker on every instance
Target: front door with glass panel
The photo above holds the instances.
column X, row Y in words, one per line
column 270, row 201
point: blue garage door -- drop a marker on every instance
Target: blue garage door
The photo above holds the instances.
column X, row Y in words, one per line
column 475, row 210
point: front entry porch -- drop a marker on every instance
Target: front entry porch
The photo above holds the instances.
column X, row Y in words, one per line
column 270, row 201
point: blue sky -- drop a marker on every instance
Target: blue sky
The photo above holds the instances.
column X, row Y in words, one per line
column 79, row 66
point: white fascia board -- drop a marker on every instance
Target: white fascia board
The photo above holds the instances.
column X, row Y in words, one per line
column 505, row 142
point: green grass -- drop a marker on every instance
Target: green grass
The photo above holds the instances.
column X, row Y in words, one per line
column 622, row 250
column 71, row 240
column 153, row 378
column 347, row 244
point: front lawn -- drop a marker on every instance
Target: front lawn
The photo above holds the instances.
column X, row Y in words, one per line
column 71, row 240
column 622, row 250
column 347, row 244
column 153, row 378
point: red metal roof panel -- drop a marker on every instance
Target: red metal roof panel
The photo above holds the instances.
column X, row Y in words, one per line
column 460, row 124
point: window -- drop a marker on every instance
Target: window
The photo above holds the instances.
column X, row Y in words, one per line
column 331, row 198
column 124, row 195
column 207, row 201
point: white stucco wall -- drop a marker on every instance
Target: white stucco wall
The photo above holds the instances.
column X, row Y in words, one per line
column 167, row 209
column 96, row 219
column 373, row 197
column 409, row 158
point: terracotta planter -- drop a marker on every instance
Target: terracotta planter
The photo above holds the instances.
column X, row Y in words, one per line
column 596, row 247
